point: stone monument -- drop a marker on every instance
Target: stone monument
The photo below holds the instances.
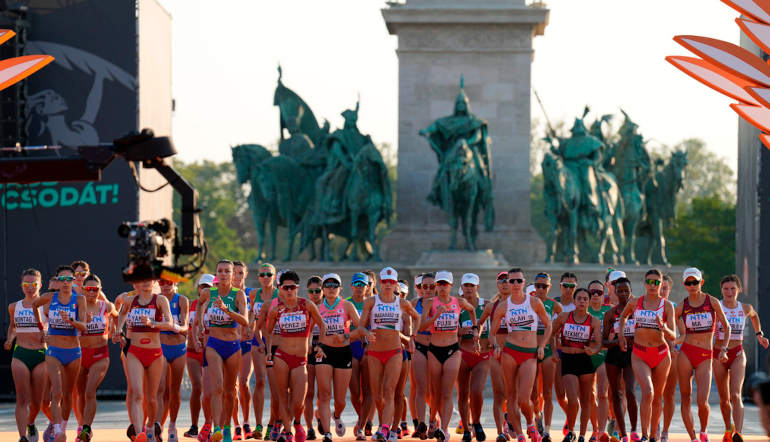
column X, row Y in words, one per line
column 489, row 43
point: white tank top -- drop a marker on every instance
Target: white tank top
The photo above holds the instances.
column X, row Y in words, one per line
column 520, row 317
column 386, row 316
column 736, row 317
column 24, row 319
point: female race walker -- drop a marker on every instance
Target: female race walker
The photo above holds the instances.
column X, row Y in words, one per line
column 420, row 373
column 618, row 360
column 697, row 316
column 336, row 365
column 650, row 358
column 730, row 374
column 543, row 397
column 27, row 366
column 383, row 313
column 578, row 335
column 146, row 314
column 226, row 309
column 442, row 315
column 194, row 361
column 66, row 317
column 474, row 364
column 174, row 346
column 521, row 350
column 295, row 318
column 96, row 354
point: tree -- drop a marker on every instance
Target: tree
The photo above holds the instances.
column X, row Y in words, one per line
column 703, row 236
column 225, row 217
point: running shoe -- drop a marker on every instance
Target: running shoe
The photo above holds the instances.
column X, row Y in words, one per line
column 664, row 437
column 394, row 436
column 500, row 438
column 569, row 437
column 217, row 435
column 247, row 431
column 48, row 433
column 172, row 436
column 205, row 433
column 467, row 437
column 31, row 433
column 327, row 437
column 84, row 434
column 339, row 427
column 378, row 436
column 398, row 432
column 257, row 433
column 643, row 439
column 432, row 430
column 522, row 438
column 23, row 439
column 604, row 437
column 534, row 435
column 368, row 428
column 593, row 438
column 299, row 431
column 227, row 435
column 192, row 432
column 359, row 433
column 422, row 431
column 141, row 437
column 441, row 435
column 310, row 434
column 704, row 437
column 736, row 437
column 281, row 437
column 624, row 439
column 539, row 424
column 404, row 428
column 546, row 437
column 130, row 432
column 610, row 426
column 581, row 438
column 479, row 430
column 565, row 430
column 158, row 430
column 276, row 432
column 459, row 429
column 237, row 436
column 635, row 436
column 269, row 432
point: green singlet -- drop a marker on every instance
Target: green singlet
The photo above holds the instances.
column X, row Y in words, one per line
column 359, row 308
column 465, row 321
column 548, row 304
column 217, row 317
column 598, row 358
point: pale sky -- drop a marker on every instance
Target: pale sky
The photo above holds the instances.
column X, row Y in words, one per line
column 606, row 53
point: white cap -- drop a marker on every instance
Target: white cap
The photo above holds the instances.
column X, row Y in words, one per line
column 417, row 280
column 206, row 279
column 692, row 272
column 443, row 275
column 616, row 274
column 403, row 288
column 530, row 289
column 333, row 276
column 388, row 273
column 470, row 278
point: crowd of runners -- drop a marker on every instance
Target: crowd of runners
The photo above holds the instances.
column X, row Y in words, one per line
column 588, row 349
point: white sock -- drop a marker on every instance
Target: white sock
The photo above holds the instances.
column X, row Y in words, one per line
column 547, row 429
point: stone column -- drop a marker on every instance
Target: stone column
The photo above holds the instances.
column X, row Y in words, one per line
column 489, row 42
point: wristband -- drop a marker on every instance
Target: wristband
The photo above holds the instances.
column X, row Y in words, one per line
column 475, row 327
column 760, row 333
column 177, row 328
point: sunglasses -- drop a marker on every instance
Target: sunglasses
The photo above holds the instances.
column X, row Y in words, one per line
column 569, row 285
column 502, row 281
column 443, row 283
column 65, row 278
column 359, row 284
column 265, row 274
column 81, row 273
column 92, row 289
column 653, row 281
column 541, row 285
column 29, row 285
column 428, row 286
column 314, row 291
column 596, row 292
column 516, row 280
column 289, row 287
column 164, row 282
column 331, row 285
column 388, row 281
column 691, row 283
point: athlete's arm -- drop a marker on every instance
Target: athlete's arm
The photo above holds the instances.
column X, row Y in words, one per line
column 754, row 317
column 539, row 308
column 596, row 343
column 316, row 315
column 669, row 332
column 721, row 344
column 11, row 335
column 681, row 328
column 166, row 323
column 43, row 299
column 426, row 320
column 184, row 313
column 203, row 299
column 240, row 304
column 607, row 328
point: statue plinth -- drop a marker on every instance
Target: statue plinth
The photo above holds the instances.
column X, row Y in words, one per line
column 462, row 259
column 489, row 42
